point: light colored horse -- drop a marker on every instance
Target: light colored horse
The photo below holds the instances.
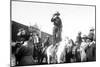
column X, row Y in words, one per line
column 64, row 45
column 82, row 51
column 50, row 53
column 58, row 52
column 82, row 54
column 61, row 51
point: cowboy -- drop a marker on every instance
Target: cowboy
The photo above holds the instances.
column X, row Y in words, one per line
column 91, row 34
column 84, row 41
column 79, row 38
column 37, row 40
column 46, row 43
column 21, row 35
column 57, row 27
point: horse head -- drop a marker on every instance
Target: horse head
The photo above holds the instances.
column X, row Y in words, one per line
column 69, row 44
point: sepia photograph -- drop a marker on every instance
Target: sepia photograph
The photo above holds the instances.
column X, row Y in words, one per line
column 44, row 33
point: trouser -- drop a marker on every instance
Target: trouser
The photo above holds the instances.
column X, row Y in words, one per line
column 56, row 35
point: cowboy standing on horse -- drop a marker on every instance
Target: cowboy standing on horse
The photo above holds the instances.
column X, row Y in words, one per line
column 57, row 28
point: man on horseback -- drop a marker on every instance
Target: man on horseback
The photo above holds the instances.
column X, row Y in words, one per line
column 22, row 35
column 57, row 28
column 47, row 41
column 36, row 40
column 79, row 38
column 91, row 34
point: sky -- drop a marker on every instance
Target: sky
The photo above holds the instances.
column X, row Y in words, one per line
column 74, row 18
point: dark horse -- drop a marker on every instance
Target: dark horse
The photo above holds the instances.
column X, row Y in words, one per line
column 69, row 52
column 40, row 53
column 91, row 52
column 37, row 53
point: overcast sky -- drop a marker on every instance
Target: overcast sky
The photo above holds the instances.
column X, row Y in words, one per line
column 74, row 18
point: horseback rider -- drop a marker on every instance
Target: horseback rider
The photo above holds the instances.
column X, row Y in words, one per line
column 22, row 35
column 36, row 40
column 47, row 41
column 91, row 34
column 57, row 28
column 79, row 39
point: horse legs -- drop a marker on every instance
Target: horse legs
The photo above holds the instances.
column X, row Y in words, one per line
column 58, row 58
column 39, row 59
column 83, row 56
column 42, row 58
column 48, row 59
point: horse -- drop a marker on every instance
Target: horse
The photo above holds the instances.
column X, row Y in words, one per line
column 50, row 52
column 58, row 52
column 36, row 50
column 43, row 53
column 70, row 53
column 64, row 50
column 76, row 53
column 91, row 52
column 61, row 51
column 82, row 51
column 82, row 54
column 38, row 53
column 88, row 52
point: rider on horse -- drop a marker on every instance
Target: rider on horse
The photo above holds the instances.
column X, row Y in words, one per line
column 36, row 40
column 57, row 28
column 22, row 35
column 91, row 34
column 79, row 39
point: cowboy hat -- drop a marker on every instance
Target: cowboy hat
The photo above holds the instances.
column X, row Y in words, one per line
column 79, row 32
column 57, row 14
column 92, row 29
column 84, row 37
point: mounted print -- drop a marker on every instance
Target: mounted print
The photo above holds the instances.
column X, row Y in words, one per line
column 44, row 33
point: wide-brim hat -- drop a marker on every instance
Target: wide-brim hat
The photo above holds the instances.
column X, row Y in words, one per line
column 92, row 29
column 57, row 14
column 84, row 37
column 79, row 32
column 21, row 29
